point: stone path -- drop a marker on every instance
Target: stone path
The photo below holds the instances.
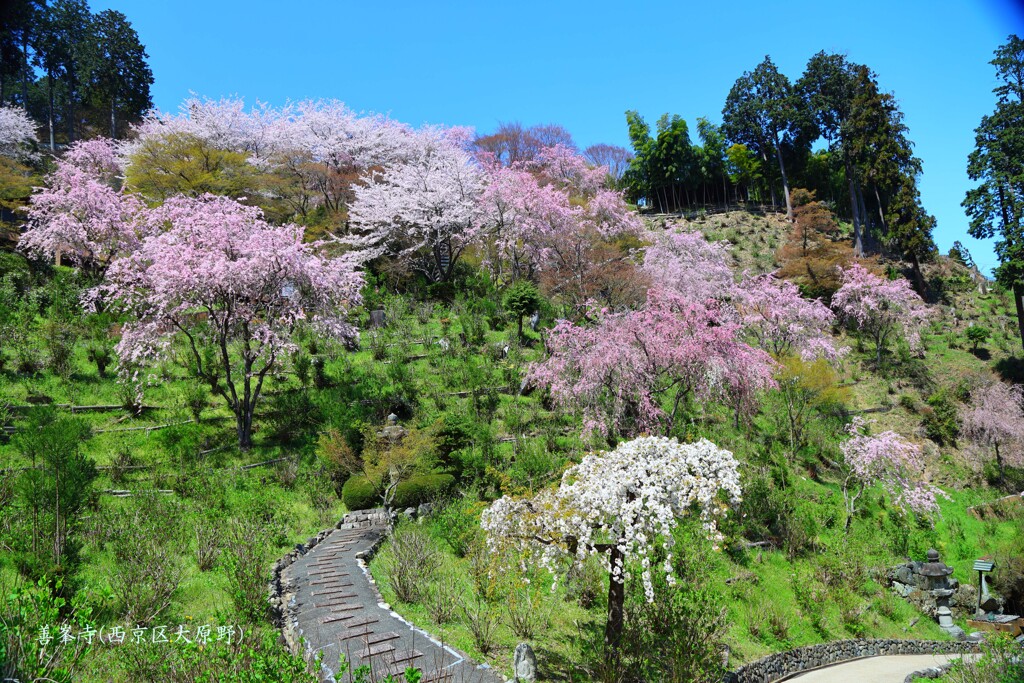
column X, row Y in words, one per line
column 884, row 669
column 331, row 602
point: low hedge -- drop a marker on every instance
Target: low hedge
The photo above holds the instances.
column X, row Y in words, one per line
column 357, row 493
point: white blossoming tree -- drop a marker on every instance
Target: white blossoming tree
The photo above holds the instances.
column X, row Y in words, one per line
column 618, row 505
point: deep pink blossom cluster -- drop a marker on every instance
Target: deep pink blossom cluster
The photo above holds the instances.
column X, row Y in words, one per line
column 534, row 222
column 621, row 372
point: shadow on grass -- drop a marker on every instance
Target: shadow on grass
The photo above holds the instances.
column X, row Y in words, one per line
column 1011, row 369
column 982, row 354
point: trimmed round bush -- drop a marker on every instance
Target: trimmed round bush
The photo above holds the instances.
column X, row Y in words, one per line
column 357, row 493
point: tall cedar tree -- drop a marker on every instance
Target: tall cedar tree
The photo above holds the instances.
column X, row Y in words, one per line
column 763, row 112
column 889, row 170
column 78, row 72
column 997, row 162
column 827, row 88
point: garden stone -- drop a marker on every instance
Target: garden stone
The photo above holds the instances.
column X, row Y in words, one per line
column 990, row 603
column 905, row 574
column 410, row 513
column 524, row 664
column 902, row 589
column 424, row 509
column 378, row 319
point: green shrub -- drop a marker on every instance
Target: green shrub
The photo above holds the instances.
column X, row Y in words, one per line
column 977, row 334
column 25, row 610
column 457, row 524
column 941, row 422
column 358, row 494
column 294, row 416
column 908, row 402
column 453, row 433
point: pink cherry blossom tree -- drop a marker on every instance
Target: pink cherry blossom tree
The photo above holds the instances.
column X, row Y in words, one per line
column 889, row 459
column 82, row 212
column 232, row 288
column 783, row 322
column 552, row 220
column 880, row 307
column 631, row 372
column 423, row 211
column 688, row 264
column 995, row 418
column 620, row 506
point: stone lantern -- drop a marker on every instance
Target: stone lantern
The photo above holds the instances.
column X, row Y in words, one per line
column 936, row 579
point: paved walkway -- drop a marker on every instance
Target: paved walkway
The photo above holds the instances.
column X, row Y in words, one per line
column 884, row 669
column 335, row 607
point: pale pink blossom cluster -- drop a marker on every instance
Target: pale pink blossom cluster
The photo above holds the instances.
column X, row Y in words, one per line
column 783, row 322
column 688, row 264
column 995, row 418
column 880, row 307
column 889, row 459
column 17, row 134
column 81, row 212
column 564, row 166
column 322, row 143
column 620, row 371
column 423, row 209
column 212, row 256
column 620, row 505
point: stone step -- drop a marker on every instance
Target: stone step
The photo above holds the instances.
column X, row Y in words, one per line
column 375, row 650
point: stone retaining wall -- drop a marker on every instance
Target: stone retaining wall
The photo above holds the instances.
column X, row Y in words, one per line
column 782, row 664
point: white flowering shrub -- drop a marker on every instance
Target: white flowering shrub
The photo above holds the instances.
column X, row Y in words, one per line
column 620, row 505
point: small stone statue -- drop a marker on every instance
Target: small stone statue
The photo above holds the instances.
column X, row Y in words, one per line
column 524, row 664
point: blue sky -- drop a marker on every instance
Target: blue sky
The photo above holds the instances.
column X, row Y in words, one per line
column 582, row 64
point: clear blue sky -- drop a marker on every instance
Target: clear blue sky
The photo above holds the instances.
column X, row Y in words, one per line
column 582, row 64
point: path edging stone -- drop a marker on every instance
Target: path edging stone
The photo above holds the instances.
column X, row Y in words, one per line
column 782, row 665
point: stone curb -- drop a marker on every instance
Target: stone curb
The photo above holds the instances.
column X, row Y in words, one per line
column 782, row 665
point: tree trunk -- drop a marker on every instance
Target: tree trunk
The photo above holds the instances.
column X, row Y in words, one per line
column 113, row 119
column 881, row 212
column 858, row 228
column 999, row 464
column 243, row 421
column 71, row 115
column 616, row 604
column 24, row 70
column 49, row 88
column 863, row 212
column 919, row 285
column 56, row 516
column 785, row 182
